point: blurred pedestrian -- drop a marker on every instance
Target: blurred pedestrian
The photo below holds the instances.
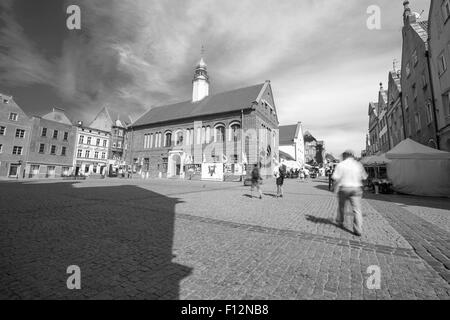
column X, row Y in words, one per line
column 256, row 181
column 348, row 176
column 280, row 175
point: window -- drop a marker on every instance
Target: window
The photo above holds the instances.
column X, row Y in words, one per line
column 120, row 133
column 446, row 101
column 219, row 133
column 103, row 155
column 63, row 151
column 119, row 144
column 429, row 112
column 1, row 148
column 13, row 116
column 53, row 150
column 414, row 89
column 55, row 134
column 44, row 132
column 406, row 103
column 424, row 81
column 87, row 154
column 168, row 139
column 20, row 133
column 89, row 140
column 208, row 134
column 104, row 143
column 179, row 138
column 17, row 150
column 235, row 132
column 414, row 58
column 66, row 136
column 81, row 140
column 442, row 64
column 114, row 145
column 2, row 130
column 146, row 164
column 151, row 141
column 96, row 155
column 417, row 121
column 42, row 148
column 79, row 153
column 408, row 70
column 98, row 142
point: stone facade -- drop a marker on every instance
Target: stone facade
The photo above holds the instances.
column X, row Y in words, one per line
column 15, row 134
column 418, row 105
column 233, row 131
column 91, row 154
column 395, row 121
column 439, row 58
column 52, row 146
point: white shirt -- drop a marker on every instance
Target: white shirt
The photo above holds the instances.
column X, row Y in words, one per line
column 349, row 173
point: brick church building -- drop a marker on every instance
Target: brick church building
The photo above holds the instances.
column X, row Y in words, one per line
column 210, row 137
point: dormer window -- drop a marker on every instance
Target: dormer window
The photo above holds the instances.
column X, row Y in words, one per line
column 13, row 116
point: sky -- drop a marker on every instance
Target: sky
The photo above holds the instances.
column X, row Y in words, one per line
column 324, row 63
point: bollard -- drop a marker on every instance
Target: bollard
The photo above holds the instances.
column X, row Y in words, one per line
column 377, row 189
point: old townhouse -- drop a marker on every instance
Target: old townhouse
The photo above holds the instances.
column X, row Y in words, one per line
column 418, row 105
column 15, row 134
column 395, row 122
column 372, row 144
column 439, row 60
column 52, row 146
column 116, row 124
column 91, row 151
column 292, row 142
column 210, row 137
column 383, row 134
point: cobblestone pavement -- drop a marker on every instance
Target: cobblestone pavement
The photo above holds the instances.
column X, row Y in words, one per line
column 166, row 239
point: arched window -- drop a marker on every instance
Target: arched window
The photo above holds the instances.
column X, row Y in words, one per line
column 219, row 133
column 168, row 139
column 179, row 138
column 208, row 134
column 235, row 132
column 203, row 135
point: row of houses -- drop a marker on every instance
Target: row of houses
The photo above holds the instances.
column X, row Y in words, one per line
column 52, row 146
column 416, row 103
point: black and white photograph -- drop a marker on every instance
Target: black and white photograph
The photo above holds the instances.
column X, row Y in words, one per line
column 241, row 152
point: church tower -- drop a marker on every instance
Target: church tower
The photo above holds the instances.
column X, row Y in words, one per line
column 200, row 84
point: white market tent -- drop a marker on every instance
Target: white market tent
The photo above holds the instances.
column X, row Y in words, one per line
column 375, row 160
column 419, row 170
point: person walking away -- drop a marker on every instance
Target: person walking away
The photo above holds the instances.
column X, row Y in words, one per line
column 330, row 180
column 280, row 180
column 348, row 176
column 256, row 181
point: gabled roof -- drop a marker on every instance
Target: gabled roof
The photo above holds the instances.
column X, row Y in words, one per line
column 107, row 118
column 421, row 28
column 396, row 76
column 234, row 100
column 57, row 115
column 288, row 134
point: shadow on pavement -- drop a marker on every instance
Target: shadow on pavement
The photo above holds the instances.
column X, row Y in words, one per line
column 411, row 200
column 121, row 237
column 323, row 187
column 314, row 219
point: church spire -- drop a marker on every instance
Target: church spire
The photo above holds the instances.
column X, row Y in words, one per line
column 200, row 84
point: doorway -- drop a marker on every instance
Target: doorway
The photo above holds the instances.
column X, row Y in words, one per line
column 13, row 171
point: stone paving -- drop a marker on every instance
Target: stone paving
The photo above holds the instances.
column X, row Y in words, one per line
column 167, row 239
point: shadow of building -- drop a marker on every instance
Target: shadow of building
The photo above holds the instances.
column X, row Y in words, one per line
column 121, row 237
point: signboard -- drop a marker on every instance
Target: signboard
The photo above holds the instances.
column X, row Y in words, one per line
column 212, row 171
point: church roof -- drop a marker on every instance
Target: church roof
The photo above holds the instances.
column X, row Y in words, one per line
column 229, row 101
column 421, row 28
column 287, row 134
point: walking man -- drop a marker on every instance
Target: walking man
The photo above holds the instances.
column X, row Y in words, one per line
column 348, row 176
